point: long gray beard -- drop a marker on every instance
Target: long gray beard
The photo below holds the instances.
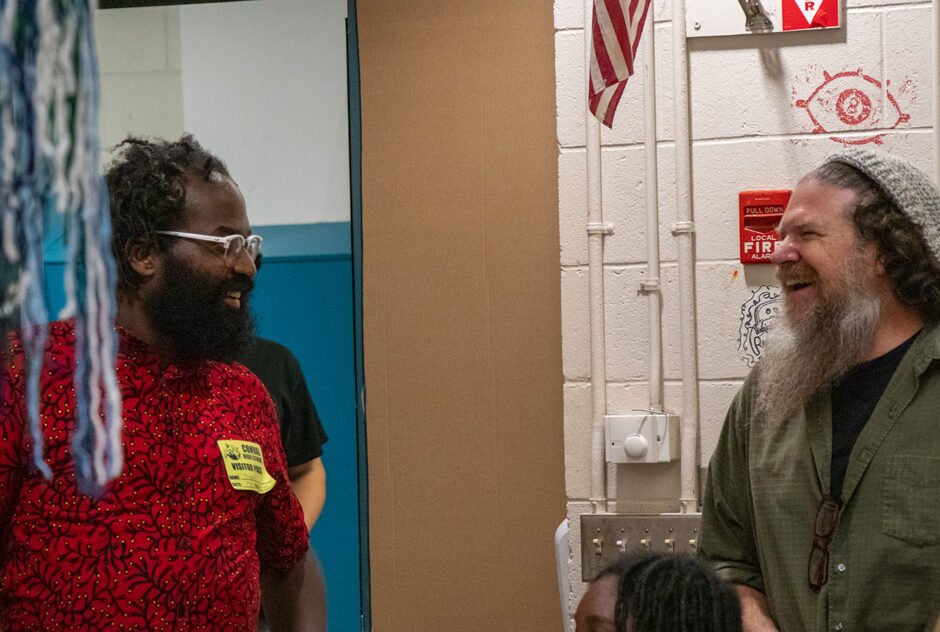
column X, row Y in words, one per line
column 800, row 359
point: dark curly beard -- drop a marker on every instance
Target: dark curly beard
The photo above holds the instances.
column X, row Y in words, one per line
column 189, row 309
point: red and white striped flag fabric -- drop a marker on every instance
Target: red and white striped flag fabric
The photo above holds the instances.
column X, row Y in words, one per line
column 615, row 32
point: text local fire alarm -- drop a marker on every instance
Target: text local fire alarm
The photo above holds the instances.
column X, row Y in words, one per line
column 760, row 213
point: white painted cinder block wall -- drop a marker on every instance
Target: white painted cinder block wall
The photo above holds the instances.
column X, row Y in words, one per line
column 262, row 84
column 748, row 133
column 140, row 72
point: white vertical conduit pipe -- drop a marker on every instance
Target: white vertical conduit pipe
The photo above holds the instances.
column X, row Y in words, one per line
column 596, row 230
column 685, row 231
column 651, row 287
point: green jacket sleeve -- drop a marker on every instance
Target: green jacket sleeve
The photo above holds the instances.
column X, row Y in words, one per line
column 728, row 540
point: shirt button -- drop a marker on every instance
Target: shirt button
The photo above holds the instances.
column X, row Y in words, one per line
column 840, row 567
column 838, row 626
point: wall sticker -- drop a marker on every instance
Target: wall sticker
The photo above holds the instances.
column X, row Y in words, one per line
column 756, row 315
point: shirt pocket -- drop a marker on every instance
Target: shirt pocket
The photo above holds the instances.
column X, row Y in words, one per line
column 909, row 499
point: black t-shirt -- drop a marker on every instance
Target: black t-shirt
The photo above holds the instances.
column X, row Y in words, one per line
column 854, row 397
column 302, row 433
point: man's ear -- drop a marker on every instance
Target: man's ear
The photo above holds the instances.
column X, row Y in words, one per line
column 880, row 265
column 142, row 257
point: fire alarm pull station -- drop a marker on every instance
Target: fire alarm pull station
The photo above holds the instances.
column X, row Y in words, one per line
column 760, row 213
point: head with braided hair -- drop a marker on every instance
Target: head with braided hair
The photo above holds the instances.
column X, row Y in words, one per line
column 595, row 611
column 674, row 593
column 658, row 592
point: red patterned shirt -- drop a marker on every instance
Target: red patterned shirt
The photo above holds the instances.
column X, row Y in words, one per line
column 171, row 544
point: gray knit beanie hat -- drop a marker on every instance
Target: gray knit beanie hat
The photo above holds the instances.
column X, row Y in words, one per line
column 907, row 186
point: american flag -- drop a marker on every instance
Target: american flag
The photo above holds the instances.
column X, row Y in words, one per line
column 615, row 31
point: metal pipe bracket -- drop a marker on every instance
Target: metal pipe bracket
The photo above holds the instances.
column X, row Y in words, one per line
column 681, row 228
column 600, row 228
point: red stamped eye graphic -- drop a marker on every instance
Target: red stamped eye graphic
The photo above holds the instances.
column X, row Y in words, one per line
column 851, row 101
column 853, row 106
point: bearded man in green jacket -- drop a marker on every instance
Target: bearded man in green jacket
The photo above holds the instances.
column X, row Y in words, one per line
column 823, row 495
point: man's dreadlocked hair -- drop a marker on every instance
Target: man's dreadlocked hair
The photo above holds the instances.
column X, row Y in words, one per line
column 674, row 593
column 909, row 265
column 148, row 193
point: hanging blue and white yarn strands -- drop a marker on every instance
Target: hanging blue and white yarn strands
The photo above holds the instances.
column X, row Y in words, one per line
column 21, row 188
column 49, row 164
column 11, row 265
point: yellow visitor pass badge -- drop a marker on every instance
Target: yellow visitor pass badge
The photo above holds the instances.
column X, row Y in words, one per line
column 244, row 465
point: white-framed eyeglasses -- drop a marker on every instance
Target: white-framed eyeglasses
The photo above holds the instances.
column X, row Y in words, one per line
column 233, row 244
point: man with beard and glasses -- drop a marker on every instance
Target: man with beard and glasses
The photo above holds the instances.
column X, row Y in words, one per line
column 201, row 525
column 821, row 498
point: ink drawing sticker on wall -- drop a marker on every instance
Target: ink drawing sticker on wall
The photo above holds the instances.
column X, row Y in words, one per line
column 757, row 316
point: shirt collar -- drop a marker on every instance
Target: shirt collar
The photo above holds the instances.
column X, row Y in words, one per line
column 926, row 348
column 144, row 355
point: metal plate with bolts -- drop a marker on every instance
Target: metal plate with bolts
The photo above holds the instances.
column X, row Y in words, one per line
column 605, row 537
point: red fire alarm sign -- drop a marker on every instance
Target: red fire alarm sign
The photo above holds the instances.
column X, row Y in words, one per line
column 709, row 18
column 760, row 213
column 805, row 14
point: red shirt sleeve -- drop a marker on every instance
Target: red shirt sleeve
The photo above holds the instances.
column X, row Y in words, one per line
column 12, row 424
column 282, row 534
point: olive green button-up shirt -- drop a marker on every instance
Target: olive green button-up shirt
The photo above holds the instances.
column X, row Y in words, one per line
column 765, row 482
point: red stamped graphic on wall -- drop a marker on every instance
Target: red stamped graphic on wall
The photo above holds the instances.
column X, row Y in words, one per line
column 853, row 101
column 803, row 14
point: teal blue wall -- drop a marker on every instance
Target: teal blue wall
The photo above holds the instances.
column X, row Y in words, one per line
column 303, row 298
